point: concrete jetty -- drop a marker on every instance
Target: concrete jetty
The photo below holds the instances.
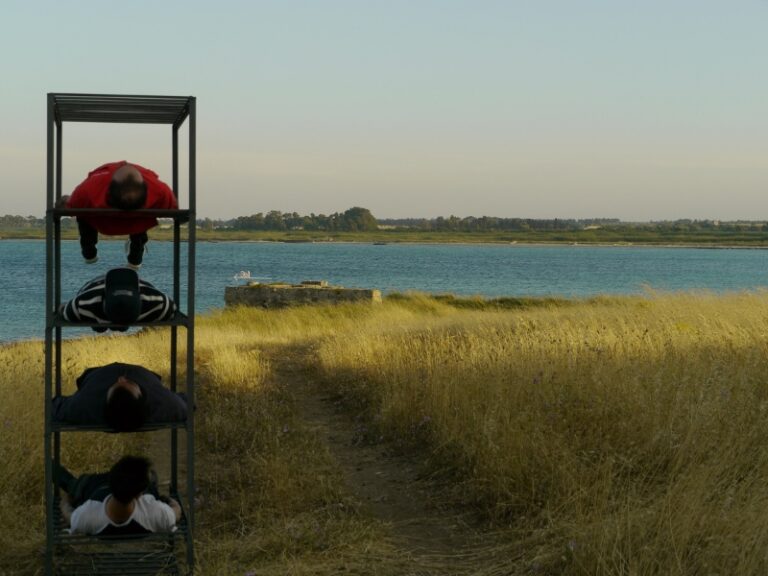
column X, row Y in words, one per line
column 281, row 295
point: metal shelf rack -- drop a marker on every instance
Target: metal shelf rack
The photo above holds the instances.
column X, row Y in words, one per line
column 156, row 553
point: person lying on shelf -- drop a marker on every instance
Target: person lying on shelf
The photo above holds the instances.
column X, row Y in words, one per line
column 122, row 501
column 118, row 297
column 122, row 397
column 124, row 186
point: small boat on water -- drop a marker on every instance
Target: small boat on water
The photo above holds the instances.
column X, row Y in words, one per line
column 243, row 275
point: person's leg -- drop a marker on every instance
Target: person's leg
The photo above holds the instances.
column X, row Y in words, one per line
column 89, row 237
column 136, row 249
column 89, row 487
column 64, row 479
column 82, row 488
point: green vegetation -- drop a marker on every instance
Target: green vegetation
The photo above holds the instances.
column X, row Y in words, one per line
column 745, row 239
column 353, row 220
column 359, row 225
column 621, row 435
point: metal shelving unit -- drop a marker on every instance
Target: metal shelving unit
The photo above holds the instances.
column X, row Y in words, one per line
column 155, row 553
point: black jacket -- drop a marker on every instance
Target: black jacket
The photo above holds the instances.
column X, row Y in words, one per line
column 86, row 406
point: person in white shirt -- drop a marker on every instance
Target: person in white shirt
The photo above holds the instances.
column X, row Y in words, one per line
column 121, row 501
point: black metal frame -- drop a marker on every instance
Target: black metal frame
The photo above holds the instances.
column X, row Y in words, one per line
column 106, row 108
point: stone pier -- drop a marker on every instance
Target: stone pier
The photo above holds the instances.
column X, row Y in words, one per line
column 308, row 292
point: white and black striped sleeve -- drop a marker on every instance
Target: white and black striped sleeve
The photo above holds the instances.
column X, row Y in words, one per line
column 88, row 304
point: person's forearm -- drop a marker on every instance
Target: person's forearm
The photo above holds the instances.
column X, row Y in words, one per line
column 66, row 509
column 176, row 508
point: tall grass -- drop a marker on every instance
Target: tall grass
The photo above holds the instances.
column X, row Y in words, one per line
column 632, row 431
column 610, row 436
column 268, row 493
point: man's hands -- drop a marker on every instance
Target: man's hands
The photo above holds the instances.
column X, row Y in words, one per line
column 173, row 504
column 62, row 202
column 66, row 507
column 175, row 507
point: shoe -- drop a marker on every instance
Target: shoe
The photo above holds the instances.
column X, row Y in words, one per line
column 133, row 266
column 90, row 254
column 135, row 251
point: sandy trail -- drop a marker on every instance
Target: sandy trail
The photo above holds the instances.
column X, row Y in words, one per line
column 392, row 487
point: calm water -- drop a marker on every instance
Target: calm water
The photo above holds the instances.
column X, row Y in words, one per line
column 489, row 270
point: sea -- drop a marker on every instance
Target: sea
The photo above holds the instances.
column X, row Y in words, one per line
column 489, row 270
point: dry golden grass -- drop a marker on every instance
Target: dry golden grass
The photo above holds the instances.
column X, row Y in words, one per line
column 261, row 502
column 610, row 436
column 632, row 432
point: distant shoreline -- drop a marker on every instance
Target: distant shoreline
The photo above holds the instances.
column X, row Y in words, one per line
column 433, row 241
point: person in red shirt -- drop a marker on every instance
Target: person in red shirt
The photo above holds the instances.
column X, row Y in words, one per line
column 124, row 186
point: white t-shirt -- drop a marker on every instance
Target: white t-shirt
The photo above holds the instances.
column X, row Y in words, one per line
column 151, row 514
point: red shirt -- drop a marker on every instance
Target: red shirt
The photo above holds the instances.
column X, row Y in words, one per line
column 93, row 191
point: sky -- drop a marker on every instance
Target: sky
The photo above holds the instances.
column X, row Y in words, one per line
column 650, row 110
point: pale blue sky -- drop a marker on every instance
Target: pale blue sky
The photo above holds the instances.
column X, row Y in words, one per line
column 539, row 108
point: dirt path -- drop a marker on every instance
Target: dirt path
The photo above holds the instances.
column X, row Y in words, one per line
column 392, row 487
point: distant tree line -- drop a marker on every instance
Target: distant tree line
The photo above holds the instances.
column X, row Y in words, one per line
column 13, row 222
column 353, row 220
column 494, row 224
column 9, row 221
column 359, row 219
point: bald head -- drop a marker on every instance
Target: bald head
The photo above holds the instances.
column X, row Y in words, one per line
column 127, row 172
column 127, row 189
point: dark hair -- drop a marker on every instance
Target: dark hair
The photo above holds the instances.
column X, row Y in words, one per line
column 122, row 296
column 117, row 190
column 129, row 478
column 123, row 411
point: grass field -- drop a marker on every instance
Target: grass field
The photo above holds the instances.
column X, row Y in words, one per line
column 605, row 436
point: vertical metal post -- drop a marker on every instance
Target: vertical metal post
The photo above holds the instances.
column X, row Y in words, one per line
column 57, row 259
column 175, row 160
column 176, row 239
column 48, row 340
column 176, row 291
column 57, row 285
column 191, row 238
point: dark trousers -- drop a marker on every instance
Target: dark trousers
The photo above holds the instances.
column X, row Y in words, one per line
column 91, row 486
column 89, row 237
